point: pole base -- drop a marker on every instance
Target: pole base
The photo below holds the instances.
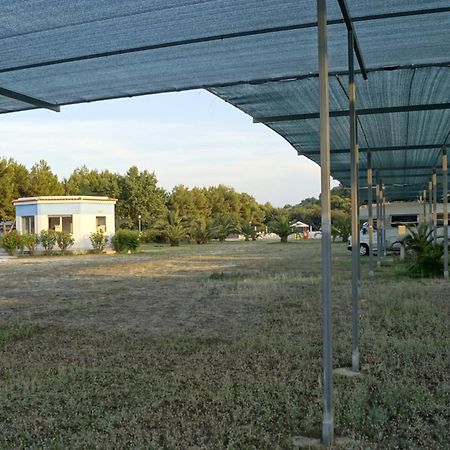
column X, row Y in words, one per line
column 346, row 372
column 300, row 442
column 327, row 432
column 355, row 361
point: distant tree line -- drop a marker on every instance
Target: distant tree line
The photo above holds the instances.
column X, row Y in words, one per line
column 138, row 194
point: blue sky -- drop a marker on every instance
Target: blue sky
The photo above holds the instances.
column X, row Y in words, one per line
column 191, row 138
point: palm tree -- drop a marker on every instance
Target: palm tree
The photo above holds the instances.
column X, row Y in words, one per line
column 223, row 226
column 248, row 231
column 282, row 227
column 172, row 228
column 426, row 255
column 201, row 231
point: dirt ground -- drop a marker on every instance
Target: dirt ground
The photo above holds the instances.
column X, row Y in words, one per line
column 161, row 291
column 215, row 346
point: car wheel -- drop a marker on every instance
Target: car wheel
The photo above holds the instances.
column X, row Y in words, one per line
column 363, row 250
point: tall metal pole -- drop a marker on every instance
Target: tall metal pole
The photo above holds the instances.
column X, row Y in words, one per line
column 384, row 224
column 328, row 420
column 381, row 221
column 377, row 192
column 445, row 207
column 430, row 204
column 369, row 211
column 356, row 288
column 434, row 180
column 424, row 200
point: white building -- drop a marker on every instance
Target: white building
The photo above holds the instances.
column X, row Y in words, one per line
column 79, row 215
column 404, row 212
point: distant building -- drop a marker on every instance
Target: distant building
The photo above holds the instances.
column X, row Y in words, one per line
column 409, row 213
column 79, row 215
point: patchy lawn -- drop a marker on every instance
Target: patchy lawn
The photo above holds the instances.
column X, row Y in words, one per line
column 215, row 346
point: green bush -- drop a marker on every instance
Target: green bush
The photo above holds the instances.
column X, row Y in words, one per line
column 9, row 242
column 47, row 239
column 98, row 241
column 249, row 231
column 125, row 240
column 65, row 240
column 222, row 227
column 21, row 243
column 171, row 228
column 281, row 226
column 30, row 241
column 426, row 257
column 201, row 231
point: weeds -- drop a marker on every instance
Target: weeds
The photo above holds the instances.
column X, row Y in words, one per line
column 227, row 357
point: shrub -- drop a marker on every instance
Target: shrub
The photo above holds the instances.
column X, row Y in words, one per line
column 148, row 236
column 125, row 240
column 341, row 228
column 426, row 257
column 9, row 242
column 98, row 241
column 65, row 240
column 249, row 231
column 223, row 227
column 47, row 239
column 282, row 227
column 30, row 241
column 201, row 231
column 171, row 228
column 20, row 243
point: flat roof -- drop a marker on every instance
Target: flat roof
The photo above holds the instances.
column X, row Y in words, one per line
column 64, row 199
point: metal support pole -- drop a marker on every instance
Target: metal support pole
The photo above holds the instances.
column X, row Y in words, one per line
column 328, row 420
column 383, row 221
column 384, row 225
column 424, row 200
column 354, row 202
column 377, row 193
column 430, row 205
column 445, row 207
column 369, row 211
column 434, row 180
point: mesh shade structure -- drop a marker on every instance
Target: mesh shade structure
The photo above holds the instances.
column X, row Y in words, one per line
column 259, row 55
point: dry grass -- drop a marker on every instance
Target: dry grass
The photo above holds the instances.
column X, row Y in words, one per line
column 214, row 346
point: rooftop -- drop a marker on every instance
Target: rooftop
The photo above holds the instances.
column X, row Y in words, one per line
column 64, row 199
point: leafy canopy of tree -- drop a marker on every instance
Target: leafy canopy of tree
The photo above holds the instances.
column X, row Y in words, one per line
column 213, row 211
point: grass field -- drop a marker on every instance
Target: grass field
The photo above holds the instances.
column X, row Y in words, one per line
column 215, row 346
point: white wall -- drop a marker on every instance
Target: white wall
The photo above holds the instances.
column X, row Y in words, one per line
column 83, row 214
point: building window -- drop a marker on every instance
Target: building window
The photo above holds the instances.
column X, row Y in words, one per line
column 28, row 224
column 60, row 223
column 404, row 219
column 100, row 223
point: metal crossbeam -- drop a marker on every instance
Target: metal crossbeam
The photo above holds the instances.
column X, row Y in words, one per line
column 352, row 31
column 377, row 149
column 360, row 112
column 28, row 99
column 389, row 169
column 394, row 178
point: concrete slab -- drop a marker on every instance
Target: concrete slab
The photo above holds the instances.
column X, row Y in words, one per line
column 305, row 442
column 346, row 372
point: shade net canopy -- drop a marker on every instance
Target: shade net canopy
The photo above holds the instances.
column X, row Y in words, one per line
column 259, row 55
